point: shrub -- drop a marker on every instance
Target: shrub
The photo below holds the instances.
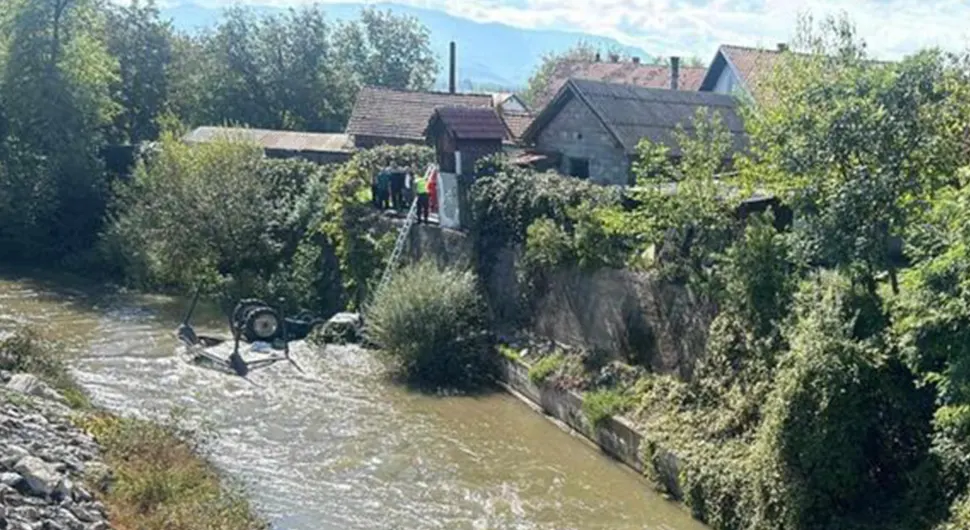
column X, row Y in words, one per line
column 222, row 214
column 545, row 367
column 431, row 323
column 598, row 405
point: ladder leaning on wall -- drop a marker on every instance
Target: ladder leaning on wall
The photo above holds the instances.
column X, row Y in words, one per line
column 402, row 240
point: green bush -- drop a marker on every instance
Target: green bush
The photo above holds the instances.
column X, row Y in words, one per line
column 222, row 214
column 545, row 367
column 431, row 323
column 598, row 405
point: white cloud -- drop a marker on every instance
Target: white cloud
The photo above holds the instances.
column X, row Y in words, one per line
column 695, row 27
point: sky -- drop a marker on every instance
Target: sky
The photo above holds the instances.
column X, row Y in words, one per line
column 891, row 28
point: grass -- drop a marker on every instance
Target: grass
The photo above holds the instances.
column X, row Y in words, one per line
column 545, row 367
column 159, row 480
column 599, row 405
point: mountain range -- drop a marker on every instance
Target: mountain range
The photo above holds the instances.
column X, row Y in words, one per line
column 490, row 55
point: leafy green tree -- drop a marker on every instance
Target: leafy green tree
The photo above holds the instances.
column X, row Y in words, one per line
column 538, row 84
column 277, row 72
column 55, row 88
column 387, row 50
column 855, row 146
column 143, row 46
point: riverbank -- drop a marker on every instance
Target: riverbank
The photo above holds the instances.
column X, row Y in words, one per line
column 66, row 465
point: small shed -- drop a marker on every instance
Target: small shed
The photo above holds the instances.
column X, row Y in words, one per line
column 462, row 136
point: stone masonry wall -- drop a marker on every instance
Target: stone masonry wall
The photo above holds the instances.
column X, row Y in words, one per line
column 577, row 132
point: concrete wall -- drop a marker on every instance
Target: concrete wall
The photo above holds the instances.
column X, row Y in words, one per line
column 615, row 436
column 632, row 314
column 577, row 132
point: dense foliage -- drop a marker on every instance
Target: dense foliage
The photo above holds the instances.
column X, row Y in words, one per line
column 82, row 80
column 432, row 324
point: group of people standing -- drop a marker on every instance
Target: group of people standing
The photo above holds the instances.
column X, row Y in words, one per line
column 395, row 188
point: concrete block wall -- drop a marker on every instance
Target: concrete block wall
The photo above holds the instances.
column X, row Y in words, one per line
column 577, row 132
column 615, row 436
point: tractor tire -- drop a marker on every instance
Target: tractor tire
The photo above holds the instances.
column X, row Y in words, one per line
column 240, row 311
column 262, row 323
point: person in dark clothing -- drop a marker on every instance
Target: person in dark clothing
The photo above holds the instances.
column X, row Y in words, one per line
column 397, row 190
column 383, row 188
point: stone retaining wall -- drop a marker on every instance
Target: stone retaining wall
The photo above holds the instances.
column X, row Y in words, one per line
column 616, row 436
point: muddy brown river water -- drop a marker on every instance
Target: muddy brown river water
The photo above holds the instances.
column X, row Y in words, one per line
column 341, row 447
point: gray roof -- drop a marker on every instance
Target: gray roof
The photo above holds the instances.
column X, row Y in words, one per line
column 631, row 113
column 403, row 114
column 271, row 139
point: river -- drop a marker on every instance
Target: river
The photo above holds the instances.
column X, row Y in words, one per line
column 339, row 446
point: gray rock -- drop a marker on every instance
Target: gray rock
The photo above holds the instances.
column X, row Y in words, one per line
column 82, row 514
column 32, row 386
column 10, row 479
column 41, row 477
column 100, row 525
column 69, row 520
column 27, row 513
column 11, row 455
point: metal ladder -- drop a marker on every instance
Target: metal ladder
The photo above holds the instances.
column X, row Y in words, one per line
column 402, row 239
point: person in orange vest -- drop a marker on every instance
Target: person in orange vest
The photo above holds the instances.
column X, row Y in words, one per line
column 421, row 191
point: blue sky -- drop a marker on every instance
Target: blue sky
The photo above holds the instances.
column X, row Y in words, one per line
column 694, row 27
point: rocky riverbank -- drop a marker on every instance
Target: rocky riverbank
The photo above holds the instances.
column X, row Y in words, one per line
column 46, row 462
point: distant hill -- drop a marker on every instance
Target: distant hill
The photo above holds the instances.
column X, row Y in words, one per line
column 489, row 54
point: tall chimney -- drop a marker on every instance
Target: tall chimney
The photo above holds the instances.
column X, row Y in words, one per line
column 451, row 69
column 674, row 73
column 636, row 60
column 597, row 57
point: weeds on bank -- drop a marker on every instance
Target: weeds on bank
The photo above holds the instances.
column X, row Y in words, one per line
column 159, row 482
column 24, row 350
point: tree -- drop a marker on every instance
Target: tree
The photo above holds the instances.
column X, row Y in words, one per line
column 56, row 91
column 855, row 146
column 277, row 72
column 539, row 81
column 387, row 50
column 143, row 46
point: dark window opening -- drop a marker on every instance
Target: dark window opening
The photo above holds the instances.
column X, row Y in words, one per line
column 579, row 167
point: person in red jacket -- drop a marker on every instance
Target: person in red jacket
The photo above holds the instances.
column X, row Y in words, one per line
column 433, row 190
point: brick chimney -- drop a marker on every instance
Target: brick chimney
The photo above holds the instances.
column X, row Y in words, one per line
column 636, row 60
column 674, row 73
column 782, row 47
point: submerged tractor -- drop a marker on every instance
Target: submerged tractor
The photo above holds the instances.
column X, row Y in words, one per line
column 262, row 327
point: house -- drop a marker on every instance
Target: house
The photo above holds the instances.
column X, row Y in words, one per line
column 740, row 70
column 594, row 127
column 396, row 117
column 632, row 72
column 471, row 132
column 509, row 102
column 316, row 147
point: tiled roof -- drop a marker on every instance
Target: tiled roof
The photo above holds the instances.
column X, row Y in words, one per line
column 471, row 123
column 631, row 113
column 517, row 123
column 271, row 139
column 388, row 113
column 622, row 72
column 753, row 66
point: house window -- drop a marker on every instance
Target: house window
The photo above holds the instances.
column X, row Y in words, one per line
column 579, row 167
